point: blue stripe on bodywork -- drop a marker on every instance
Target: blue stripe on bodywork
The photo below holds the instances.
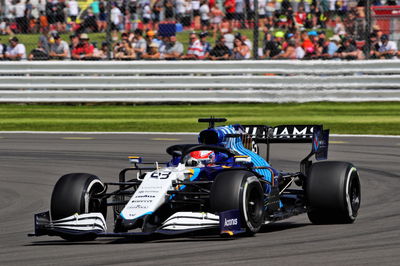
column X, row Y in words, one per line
column 237, row 145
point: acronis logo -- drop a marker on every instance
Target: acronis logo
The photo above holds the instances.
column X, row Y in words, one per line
column 230, row 222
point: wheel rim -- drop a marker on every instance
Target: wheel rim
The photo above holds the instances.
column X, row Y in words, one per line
column 355, row 195
column 254, row 205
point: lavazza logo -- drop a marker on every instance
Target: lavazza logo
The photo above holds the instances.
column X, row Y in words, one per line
column 230, row 222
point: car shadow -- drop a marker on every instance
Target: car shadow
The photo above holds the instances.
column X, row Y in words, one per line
column 202, row 236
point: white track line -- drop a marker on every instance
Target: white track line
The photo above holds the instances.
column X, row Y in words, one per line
column 166, row 133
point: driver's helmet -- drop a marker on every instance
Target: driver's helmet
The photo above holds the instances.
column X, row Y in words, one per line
column 201, row 158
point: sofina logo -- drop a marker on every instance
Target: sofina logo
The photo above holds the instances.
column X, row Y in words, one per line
column 230, row 222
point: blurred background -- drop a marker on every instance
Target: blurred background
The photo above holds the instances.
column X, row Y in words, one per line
column 199, row 30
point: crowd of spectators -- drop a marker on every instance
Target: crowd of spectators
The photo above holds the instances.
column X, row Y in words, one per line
column 290, row 30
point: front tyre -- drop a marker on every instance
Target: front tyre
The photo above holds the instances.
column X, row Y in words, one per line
column 333, row 193
column 74, row 193
column 239, row 190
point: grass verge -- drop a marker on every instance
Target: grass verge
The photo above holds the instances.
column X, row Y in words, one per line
column 341, row 118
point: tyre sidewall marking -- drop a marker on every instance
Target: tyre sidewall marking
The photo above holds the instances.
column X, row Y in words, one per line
column 348, row 201
column 248, row 182
column 87, row 192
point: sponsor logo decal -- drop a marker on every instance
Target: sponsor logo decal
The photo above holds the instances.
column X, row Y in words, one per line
column 230, row 222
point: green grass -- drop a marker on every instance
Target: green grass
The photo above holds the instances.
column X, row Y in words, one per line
column 349, row 118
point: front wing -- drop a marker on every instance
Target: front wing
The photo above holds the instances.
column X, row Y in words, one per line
column 93, row 225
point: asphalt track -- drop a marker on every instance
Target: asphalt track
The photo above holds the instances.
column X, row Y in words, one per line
column 31, row 164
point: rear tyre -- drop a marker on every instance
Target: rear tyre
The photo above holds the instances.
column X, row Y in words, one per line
column 333, row 193
column 73, row 193
column 239, row 190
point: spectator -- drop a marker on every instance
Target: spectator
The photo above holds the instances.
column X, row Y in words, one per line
column 307, row 43
column 239, row 14
column 146, row 16
column 44, row 39
column 84, row 50
column 173, row 49
column 43, row 23
column 206, row 45
column 156, row 12
column 3, row 49
column 74, row 39
column 150, row 38
column 377, row 30
column 273, row 47
column 229, row 6
column 350, row 23
column 60, row 15
column 39, row 53
column 90, row 23
column 95, row 7
column 140, row 43
column 116, row 18
column 168, row 10
column 216, row 19
column 220, row 50
column 29, row 16
column 16, row 50
column 246, row 40
column 299, row 50
column 300, row 17
column 153, row 52
column 261, row 13
column 331, row 47
column 195, row 49
column 20, row 18
column 118, row 45
column 339, row 27
column 102, row 21
column 125, row 51
column 51, row 13
column 73, row 10
column 41, row 7
column 196, row 13
column 240, row 50
column 289, row 52
column 387, row 49
column 204, row 15
column 229, row 38
column 187, row 17
column 102, row 53
column 59, row 49
column 180, row 10
column 348, row 51
column 374, row 47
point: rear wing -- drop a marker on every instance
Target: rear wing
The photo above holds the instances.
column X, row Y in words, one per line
column 314, row 134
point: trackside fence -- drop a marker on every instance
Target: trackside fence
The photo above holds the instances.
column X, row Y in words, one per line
column 199, row 81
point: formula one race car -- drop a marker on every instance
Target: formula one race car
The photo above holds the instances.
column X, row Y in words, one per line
column 221, row 184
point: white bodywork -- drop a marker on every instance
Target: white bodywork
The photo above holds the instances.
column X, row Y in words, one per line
column 190, row 220
column 82, row 222
column 152, row 192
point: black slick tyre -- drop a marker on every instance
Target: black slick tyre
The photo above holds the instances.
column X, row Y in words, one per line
column 73, row 194
column 333, row 193
column 239, row 190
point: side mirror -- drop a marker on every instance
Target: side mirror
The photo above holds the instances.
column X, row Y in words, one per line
column 135, row 159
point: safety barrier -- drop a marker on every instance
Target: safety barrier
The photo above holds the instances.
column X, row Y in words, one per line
column 199, row 81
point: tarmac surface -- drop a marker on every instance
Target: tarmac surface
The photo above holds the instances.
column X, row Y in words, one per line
column 31, row 164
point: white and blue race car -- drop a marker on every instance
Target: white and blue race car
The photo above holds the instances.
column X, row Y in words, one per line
column 220, row 184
